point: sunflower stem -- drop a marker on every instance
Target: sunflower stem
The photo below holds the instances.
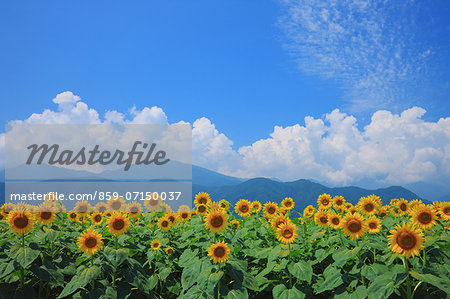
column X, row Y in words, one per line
column 290, row 276
column 408, row 280
column 22, row 270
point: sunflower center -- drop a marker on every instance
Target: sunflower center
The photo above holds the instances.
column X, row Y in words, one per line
column 369, row 207
column 90, row 242
column 156, row 245
column 424, row 218
column 447, row 210
column 323, row 219
column 98, row 218
column 172, row 219
column 406, row 240
column 354, row 226
column 325, row 201
column 165, row 223
column 21, row 222
column 116, row 205
column 153, row 202
column 201, row 209
column 403, row 207
column 46, row 215
column 184, row 215
column 83, row 209
column 217, row 221
column 134, row 210
column 102, row 209
column 118, row 224
column 372, row 225
column 244, row 208
column 219, row 252
column 335, row 221
column 73, row 215
column 287, row 233
column 288, row 204
column 271, row 210
column 169, row 251
column 338, row 202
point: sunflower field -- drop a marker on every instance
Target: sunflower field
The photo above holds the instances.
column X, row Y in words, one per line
column 217, row 250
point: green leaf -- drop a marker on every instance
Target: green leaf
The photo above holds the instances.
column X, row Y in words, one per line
column 333, row 279
column 116, row 256
column 237, row 294
column 24, row 255
column 84, row 276
column 301, row 270
column 439, row 282
column 190, row 275
column 164, row 273
column 213, row 279
column 382, row 286
column 343, row 255
column 282, row 292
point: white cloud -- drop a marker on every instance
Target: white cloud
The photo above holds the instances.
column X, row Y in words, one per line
column 391, row 149
column 212, row 149
column 154, row 115
column 373, row 49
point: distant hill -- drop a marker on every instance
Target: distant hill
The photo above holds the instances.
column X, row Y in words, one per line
column 303, row 192
column 205, row 177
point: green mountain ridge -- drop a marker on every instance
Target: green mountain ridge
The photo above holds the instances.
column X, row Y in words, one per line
column 304, row 192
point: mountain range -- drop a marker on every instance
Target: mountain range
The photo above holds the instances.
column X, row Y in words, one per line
column 304, row 192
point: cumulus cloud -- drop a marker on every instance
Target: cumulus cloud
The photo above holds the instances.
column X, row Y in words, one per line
column 392, row 149
column 378, row 51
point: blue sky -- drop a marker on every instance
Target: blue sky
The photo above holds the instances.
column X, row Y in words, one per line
column 246, row 66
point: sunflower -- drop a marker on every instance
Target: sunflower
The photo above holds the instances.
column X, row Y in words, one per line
column 444, row 210
column 73, row 216
column 235, row 224
column 288, row 203
column 414, row 203
column 394, row 201
column 278, row 220
column 406, row 240
column 117, row 204
column 169, row 250
column 82, row 207
column 373, row 225
column 270, row 209
column 219, row 252
column 287, row 232
column 214, row 206
column 97, row 218
column 173, row 217
column 101, row 207
column 216, row 221
column 402, row 206
column 202, row 198
column 367, row 205
column 7, row 208
column 20, row 222
column 90, row 241
column 334, row 220
column 184, row 216
column 395, row 211
column 224, row 204
column 308, row 211
column 152, row 204
column 155, row 244
column 383, row 211
column 242, row 208
column 134, row 209
column 423, row 217
column 184, row 208
column 354, row 225
column 118, row 224
column 165, row 208
column 45, row 215
column 338, row 202
column 256, row 207
column 321, row 218
column 2, row 216
column 164, row 223
column 202, row 209
column 324, row 201
column 352, row 210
